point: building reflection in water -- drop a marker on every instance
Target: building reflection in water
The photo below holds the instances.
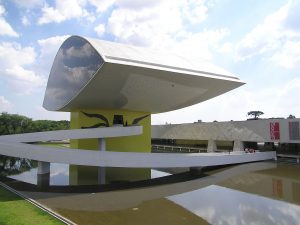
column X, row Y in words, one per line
column 281, row 183
column 263, row 197
column 11, row 165
column 88, row 175
column 264, row 193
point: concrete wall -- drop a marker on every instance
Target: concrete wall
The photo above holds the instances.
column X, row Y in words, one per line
column 262, row 130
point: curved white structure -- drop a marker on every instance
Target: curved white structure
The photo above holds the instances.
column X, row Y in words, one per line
column 117, row 159
column 128, row 159
column 74, row 134
column 95, row 74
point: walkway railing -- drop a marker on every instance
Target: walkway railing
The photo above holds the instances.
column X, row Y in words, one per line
column 174, row 148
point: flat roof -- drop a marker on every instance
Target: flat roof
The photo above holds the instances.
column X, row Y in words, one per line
column 146, row 57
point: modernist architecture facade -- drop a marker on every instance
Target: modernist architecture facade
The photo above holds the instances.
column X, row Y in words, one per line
column 232, row 135
column 104, row 84
column 107, row 84
column 111, row 90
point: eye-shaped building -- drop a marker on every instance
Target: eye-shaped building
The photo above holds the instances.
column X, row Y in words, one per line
column 107, row 84
column 95, row 74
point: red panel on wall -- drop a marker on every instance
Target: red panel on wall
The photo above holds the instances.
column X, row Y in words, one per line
column 277, row 188
column 274, row 131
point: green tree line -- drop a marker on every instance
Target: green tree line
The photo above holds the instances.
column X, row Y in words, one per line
column 16, row 124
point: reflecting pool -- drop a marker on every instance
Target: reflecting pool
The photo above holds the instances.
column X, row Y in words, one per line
column 254, row 193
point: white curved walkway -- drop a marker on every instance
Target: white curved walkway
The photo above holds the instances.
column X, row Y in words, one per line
column 74, row 134
column 9, row 146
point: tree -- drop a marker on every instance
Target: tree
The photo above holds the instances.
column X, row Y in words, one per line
column 15, row 124
column 255, row 114
column 291, row 117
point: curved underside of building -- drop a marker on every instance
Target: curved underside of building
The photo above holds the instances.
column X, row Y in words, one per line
column 95, row 74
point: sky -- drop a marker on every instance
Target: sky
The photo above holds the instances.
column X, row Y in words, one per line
column 258, row 41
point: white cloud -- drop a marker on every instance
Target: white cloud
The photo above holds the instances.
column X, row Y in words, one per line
column 29, row 3
column 40, row 113
column 290, row 211
column 84, row 51
column 72, row 9
column 289, row 55
column 22, row 81
column 63, row 10
column 50, row 46
column 226, row 48
column 2, row 10
column 199, row 45
column 5, row 28
column 159, row 24
column 208, row 213
column 100, row 29
column 195, row 11
column 102, row 5
column 18, row 73
column 146, row 26
column 48, row 49
column 13, row 53
column 13, row 59
column 163, row 24
column 25, row 21
column 5, row 105
column 51, row 42
column 276, row 35
column 254, row 216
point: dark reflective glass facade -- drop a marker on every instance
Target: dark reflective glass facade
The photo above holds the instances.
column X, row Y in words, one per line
column 74, row 65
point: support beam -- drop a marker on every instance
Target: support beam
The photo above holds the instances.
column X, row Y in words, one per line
column 43, row 167
column 238, row 145
column 43, row 175
column 101, row 170
column 211, row 146
column 102, row 144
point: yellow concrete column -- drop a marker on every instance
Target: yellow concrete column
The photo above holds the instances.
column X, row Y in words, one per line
column 106, row 118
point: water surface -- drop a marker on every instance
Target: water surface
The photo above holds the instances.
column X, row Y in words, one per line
column 256, row 193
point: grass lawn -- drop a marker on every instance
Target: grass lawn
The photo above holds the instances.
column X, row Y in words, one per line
column 16, row 211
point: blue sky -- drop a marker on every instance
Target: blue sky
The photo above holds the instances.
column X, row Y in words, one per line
column 259, row 41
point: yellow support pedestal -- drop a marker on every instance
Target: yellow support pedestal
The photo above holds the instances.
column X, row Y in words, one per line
column 81, row 175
